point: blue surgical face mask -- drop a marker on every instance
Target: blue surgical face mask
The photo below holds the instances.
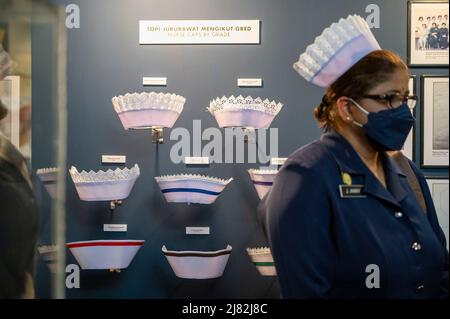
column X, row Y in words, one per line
column 387, row 129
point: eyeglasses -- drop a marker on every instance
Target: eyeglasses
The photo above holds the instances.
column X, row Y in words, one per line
column 393, row 100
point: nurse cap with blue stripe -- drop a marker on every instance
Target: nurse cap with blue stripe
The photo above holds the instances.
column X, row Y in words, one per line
column 191, row 189
column 336, row 50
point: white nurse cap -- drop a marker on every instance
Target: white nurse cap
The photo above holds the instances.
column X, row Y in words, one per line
column 336, row 50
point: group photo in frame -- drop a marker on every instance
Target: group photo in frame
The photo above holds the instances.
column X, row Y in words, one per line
column 435, row 121
column 428, row 33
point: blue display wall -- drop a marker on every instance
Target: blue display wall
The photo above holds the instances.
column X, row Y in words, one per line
column 105, row 60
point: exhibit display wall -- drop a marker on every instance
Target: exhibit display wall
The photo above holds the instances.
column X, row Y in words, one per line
column 105, row 59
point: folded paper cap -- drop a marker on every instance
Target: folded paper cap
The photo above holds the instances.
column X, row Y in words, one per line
column 146, row 110
column 105, row 186
column 244, row 112
column 48, row 177
column 48, row 254
column 188, row 188
column 263, row 180
column 336, row 50
column 105, row 254
column 198, row 264
column 263, row 260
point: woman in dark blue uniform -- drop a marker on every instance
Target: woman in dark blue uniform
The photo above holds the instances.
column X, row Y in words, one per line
column 343, row 219
column 433, row 37
column 443, row 37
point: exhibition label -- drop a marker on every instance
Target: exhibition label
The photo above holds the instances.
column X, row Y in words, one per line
column 199, row 31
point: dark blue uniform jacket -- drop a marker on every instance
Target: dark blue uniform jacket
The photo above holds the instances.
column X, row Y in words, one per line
column 377, row 245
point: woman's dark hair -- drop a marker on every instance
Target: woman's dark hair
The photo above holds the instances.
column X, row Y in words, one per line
column 375, row 68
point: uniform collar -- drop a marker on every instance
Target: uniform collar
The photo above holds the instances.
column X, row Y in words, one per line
column 350, row 162
column 344, row 153
column 396, row 178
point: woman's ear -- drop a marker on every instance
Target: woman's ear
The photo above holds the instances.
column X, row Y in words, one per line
column 343, row 109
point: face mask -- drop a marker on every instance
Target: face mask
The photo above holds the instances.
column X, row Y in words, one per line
column 387, row 129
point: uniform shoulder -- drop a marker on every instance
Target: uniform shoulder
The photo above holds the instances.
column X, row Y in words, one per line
column 311, row 156
column 9, row 173
column 417, row 171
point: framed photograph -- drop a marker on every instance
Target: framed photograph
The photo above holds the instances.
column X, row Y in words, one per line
column 435, row 135
column 428, row 33
column 409, row 149
column 439, row 192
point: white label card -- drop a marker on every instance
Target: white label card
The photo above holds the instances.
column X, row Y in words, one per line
column 249, row 82
column 196, row 160
column 115, row 227
column 278, row 161
column 197, row 231
column 154, row 81
column 114, row 159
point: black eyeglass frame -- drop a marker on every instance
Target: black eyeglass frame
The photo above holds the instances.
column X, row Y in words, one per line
column 388, row 98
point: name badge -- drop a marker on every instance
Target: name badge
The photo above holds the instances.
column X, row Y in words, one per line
column 351, row 191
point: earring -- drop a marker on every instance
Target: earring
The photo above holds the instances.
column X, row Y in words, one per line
column 348, row 118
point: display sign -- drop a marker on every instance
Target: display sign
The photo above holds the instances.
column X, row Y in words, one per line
column 278, row 161
column 154, row 81
column 197, row 231
column 199, row 31
column 245, row 82
column 115, row 227
column 114, row 159
column 196, row 160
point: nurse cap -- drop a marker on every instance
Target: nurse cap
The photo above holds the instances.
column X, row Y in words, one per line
column 336, row 50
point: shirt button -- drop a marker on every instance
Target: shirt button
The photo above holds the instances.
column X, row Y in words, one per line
column 398, row 214
column 416, row 246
